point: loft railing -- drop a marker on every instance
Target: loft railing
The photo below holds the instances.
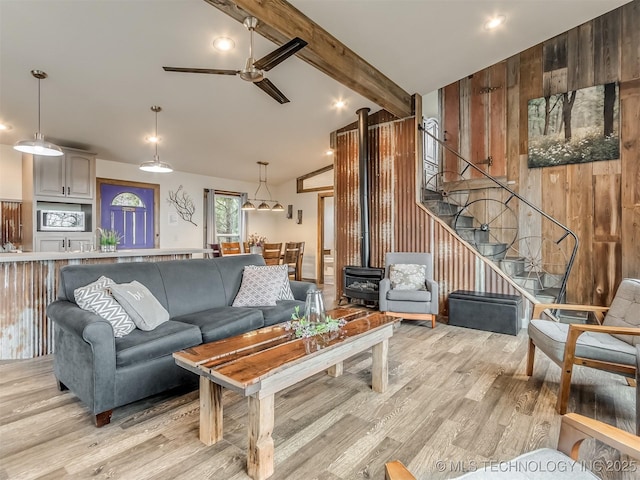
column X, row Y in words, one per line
column 529, row 245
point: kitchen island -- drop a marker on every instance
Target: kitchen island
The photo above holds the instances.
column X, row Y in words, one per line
column 30, row 283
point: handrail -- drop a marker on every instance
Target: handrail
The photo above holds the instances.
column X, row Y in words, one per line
column 568, row 231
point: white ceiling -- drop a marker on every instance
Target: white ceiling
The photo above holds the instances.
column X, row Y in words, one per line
column 104, row 60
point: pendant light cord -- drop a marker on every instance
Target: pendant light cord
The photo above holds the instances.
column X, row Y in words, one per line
column 157, row 139
column 38, row 105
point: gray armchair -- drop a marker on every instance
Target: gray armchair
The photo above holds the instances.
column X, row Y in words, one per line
column 418, row 304
column 610, row 346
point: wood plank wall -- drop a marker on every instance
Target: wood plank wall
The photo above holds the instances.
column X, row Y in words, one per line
column 398, row 222
column 486, row 114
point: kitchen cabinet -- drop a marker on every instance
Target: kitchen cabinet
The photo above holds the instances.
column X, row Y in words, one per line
column 58, row 242
column 71, row 175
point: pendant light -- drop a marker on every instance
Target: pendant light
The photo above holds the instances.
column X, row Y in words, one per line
column 264, row 206
column 38, row 146
column 155, row 165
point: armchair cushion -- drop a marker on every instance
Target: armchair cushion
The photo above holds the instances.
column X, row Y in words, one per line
column 407, row 276
column 551, row 337
column 625, row 309
column 409, row 295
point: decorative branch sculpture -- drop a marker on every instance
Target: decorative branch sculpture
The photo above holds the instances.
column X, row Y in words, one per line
column 183, row 203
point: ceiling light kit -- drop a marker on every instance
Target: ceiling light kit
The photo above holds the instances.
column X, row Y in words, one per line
column 38, row 146
column 264, row 206
column 155, row 165
column 253, row 70
column 339, row 104
column 494, row 22
column 223, row 44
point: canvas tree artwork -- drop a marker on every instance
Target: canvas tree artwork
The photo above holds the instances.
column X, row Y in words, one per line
column 574, row 127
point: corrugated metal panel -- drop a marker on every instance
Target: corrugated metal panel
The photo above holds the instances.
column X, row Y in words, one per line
column 10, row 216
column 27, row 288
column 398, row 222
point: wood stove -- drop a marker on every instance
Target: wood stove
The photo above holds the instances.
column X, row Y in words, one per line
column 362, row 282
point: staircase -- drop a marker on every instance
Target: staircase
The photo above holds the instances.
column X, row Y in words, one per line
column 532, row 248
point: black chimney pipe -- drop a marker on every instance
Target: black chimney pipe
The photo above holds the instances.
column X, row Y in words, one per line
column 363, row 156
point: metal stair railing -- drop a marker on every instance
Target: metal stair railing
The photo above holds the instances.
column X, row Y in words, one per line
column 541, row 252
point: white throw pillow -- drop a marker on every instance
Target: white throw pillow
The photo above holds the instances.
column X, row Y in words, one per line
column 97, row 299
column 260, row 287
column 145, row 309
column 407, row 276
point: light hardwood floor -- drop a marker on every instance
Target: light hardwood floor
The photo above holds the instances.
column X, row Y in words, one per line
column 455, row 395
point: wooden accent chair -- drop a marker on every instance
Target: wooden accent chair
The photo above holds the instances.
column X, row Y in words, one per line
column 293, row 253
column 410, row 304
column 573, row 430
column 246, row 247
column 216, row 251
column 230, row 248
column 609, row 346
column 271, row 253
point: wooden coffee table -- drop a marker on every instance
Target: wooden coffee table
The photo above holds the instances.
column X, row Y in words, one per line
column 261, row 363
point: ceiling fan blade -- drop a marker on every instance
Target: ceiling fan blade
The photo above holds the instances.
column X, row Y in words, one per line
column 214, row 71
column 280, row 54
column 270, row 89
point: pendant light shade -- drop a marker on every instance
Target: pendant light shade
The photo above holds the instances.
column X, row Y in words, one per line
column 264, row 206
column 39, row 146
column 155, row 165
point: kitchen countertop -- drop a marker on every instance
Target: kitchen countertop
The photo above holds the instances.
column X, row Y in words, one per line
column 140, row 252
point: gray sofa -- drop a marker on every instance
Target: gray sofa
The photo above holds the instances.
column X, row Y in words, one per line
column 107, row 372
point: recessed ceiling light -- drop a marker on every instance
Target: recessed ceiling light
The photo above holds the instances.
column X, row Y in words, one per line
column 328, row 152
column 495, row 22
column 152, row 139
column 4, row 126
column 223, row 44
column 339, row 104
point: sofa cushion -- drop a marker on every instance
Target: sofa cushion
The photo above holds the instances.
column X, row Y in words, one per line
column 551, row 337
column 407, row 276
column 223, row 322
column 141, row 346
column 96, row 298
column 144, row 309
column 192, row 285
column 277, row 273
column 231, row 269
column 260, row 287
column 281, row 312
column 409, row 295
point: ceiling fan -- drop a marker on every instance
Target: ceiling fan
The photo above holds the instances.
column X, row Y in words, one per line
column 253, row 71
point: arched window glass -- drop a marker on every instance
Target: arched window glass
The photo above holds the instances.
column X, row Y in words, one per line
column 127, row 199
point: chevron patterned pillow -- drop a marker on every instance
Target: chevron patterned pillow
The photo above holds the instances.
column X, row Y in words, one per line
column 278, row 271
column 260, row 287
column 96, row 298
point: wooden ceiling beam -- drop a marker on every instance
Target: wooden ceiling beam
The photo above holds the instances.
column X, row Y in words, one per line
column 279, row 21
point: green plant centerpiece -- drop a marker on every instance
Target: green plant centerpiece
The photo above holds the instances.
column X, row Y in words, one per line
column 303, row 328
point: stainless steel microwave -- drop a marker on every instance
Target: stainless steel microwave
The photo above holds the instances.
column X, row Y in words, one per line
column 61, row 220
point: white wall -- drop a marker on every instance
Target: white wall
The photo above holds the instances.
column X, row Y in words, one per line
column 430, row 105
column 10, row 173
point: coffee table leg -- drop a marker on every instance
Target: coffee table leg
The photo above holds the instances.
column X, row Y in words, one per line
column 380, row 368
column 336, row 370
column 210, row 411
column 261, row 420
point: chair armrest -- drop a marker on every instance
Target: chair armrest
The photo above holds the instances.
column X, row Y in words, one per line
column 610, row 329
column 383, row 288
column 397, row 471
column 300, row 289
column 575, row 428
column 539, row 307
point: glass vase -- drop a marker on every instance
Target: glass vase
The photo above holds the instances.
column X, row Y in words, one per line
column 314, row 307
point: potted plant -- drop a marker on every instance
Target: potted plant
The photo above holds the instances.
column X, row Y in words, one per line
column 108, row 240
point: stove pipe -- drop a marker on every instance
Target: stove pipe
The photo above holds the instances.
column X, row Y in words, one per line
column 363, row 172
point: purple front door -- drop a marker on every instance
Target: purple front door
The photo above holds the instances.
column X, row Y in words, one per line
column 129, row 211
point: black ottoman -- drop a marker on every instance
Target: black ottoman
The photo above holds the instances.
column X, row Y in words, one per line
column 493, row 312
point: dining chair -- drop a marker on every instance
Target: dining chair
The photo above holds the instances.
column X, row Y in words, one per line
column 293, row 253
column 230, row 248
column 246, row 247
column 215, row 250
column 271, row 253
